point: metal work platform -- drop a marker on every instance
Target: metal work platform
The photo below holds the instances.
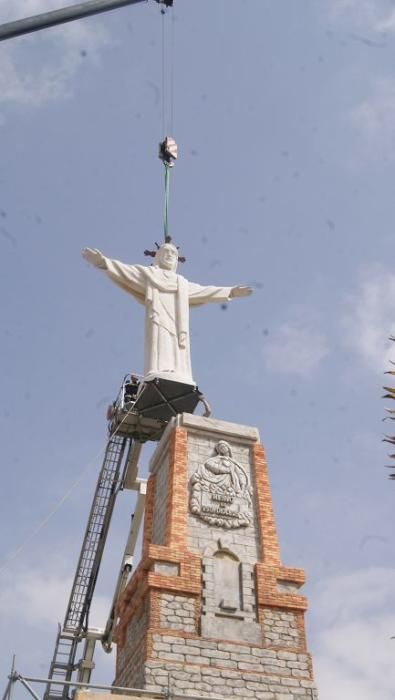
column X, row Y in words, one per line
column 156, row 402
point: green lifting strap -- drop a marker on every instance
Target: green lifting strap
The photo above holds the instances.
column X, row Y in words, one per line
column 166, row 209
column 168, row 156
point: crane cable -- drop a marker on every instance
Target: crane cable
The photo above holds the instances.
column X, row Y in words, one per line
column 168, row 148
column 167, row 59
column 163, row 13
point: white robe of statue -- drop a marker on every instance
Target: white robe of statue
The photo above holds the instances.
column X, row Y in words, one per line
column 167, row 297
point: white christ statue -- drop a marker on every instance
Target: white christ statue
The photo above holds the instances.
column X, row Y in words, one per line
column 167, row 297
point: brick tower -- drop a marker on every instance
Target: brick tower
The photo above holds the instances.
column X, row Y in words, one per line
column 210, row 611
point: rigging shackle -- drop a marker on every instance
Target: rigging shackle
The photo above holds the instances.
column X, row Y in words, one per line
column 168, row 151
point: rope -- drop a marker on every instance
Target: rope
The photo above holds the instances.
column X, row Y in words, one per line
column 59, row 504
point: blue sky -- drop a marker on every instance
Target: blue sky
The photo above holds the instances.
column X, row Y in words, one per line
column 284, row 113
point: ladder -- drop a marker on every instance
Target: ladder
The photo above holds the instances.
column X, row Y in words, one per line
column 108, row 486
column 62, row 665
column 75, row 626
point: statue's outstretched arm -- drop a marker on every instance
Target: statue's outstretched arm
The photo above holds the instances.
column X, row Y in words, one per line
column 199, row 294
column 129, row 277
column 95, row 258
column 240, row 291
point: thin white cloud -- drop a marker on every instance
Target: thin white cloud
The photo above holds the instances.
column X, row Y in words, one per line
column 374, row 119
column 297, row 347
column 36, row 70
column 37, row 597
column 355, row 619
column 387, row 23
column 367, row 15
column 370, row 318
column 32, row 602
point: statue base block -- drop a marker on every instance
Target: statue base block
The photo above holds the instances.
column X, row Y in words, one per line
column 211, row 611
column 164, row 399
column 158, row 401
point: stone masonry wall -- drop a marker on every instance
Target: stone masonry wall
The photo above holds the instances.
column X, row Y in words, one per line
column 177, row 612
column 131, row 658
column 194, row 666
column 280, row 628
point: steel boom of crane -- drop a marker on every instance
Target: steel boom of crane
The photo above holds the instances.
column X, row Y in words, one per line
column 10, row 30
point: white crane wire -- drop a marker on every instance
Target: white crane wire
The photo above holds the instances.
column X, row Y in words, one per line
column 167, row 70
column 58, row 505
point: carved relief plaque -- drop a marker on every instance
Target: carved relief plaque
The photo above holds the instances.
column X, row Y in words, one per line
column 221, row 490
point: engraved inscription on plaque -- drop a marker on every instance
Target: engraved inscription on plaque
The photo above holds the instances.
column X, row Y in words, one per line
column 221, row 491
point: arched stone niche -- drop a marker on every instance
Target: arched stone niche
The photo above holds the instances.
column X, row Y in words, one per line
column 226, row 582
column 228, row 594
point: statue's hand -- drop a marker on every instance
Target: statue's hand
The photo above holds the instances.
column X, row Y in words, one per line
column 240, row 291
column 94, row 257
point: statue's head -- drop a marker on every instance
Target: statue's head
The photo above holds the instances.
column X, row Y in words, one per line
column 167, row 257
column 223, row 448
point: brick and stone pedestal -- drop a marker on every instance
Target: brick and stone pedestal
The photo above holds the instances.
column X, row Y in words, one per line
column 210, row 611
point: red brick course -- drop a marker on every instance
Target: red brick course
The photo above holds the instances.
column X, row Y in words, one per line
column 177, row 504
column 270, row 552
